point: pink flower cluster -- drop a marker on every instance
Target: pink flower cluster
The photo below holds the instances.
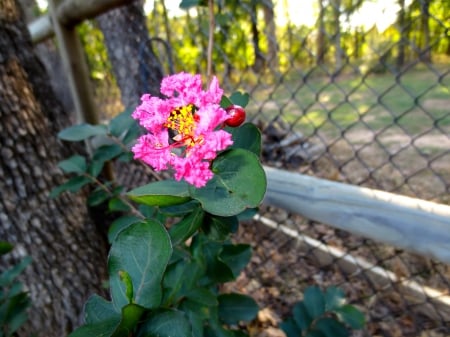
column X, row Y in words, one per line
column 183, row 128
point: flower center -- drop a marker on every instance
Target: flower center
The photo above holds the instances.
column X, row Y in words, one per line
column 182, row 121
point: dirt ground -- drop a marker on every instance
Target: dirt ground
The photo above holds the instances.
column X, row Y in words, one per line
column 411, row 298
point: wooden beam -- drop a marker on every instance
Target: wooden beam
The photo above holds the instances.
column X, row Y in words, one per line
column 41, row 29
column 415, row 225
column 69, row 13
column 76, row 68
column 72, row 12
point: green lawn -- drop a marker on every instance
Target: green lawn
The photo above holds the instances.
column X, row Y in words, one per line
column 416, row 101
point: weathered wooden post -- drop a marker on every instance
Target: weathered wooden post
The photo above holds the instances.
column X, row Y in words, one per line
column 74, row 62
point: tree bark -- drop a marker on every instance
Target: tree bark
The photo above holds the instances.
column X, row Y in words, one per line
column 68, row 251
column 320, row 43
column 259, row 62
column 270, row 32
column 403, row 33
column 135, row 65
column 338, row 52
column 425, row 54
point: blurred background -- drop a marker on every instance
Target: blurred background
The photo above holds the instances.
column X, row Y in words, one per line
column 355, row 91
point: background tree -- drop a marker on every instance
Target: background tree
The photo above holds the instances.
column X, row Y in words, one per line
column 68, row 250
column 270, row 32
column 401, row 22
column 259, row 60
column 320, row 41
column 135, row 65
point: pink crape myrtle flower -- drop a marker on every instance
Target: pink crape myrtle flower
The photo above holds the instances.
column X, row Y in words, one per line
column 184, row 128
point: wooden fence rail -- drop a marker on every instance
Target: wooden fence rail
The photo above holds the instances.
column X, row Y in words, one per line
column 415, row 225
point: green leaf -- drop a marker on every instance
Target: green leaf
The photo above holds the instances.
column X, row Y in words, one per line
column 107, row 152
column 5, row 247
column 215, row 326
column 247, row 214
column 240, row 99
column 186, row 4
column 8, row 276
column 116, row 204
column 351, row 316
column 180, row 210
column 314, row 301
column 196, row 319
column 126, row 280
column 132, row 134
column 95, row 168
column 290, row 328
column 120, row 224
column 97, row 309
column 219, row 227
column 126, row 157
column 184, row 229
column 166, row 323
column 16, row 314
column 225, row 102
column 74, row 184
column 329, row 327
column 161, row 193
column 81, row 132
column 74, row 164
column 143, row 251
column 121, row 123
column 236, row 257
column 334, row 298
column 301, row 316
column 216, row 270
column 104, row 328
column 97, row 197
column 239, row 183
column 131, row 314
column 234, row 308
column 180, row 278
column 314, row 333
column 246, row 137
column 201, row 311
column 203, row 296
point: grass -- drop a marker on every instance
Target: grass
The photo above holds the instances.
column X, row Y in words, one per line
column 416, row 101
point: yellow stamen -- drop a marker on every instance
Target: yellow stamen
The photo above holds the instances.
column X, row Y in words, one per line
column 182, row 121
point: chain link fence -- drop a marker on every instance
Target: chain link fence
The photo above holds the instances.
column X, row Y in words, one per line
column 346, row 91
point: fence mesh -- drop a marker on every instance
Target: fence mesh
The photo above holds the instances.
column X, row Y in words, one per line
column 343, row 90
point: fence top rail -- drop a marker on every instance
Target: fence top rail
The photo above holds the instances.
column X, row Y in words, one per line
column 70, row 13
column 416, row 225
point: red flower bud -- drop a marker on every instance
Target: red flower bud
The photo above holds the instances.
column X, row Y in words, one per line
column 236, row 115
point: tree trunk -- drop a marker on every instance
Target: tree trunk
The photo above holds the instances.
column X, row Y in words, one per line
column 68, row 251
column 338, row 52
column 270, row 31
column 258, row 64
column 320, row 43
column 425, row 53
column 402, row 28
column 166, row 22
column 135, row 65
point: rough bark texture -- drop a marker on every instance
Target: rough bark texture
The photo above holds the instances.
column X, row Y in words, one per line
column 68, row 251
column 270, row 31
column 320, row 42
column 136, row 68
